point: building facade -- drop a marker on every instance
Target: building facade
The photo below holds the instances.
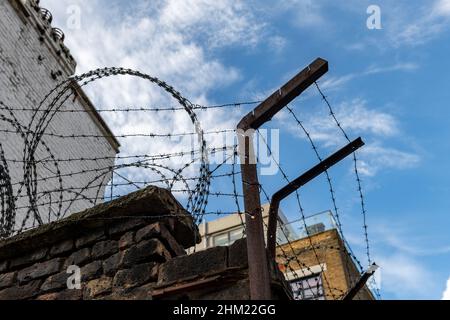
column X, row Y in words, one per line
column 227, row 230
column 310, row 253
column 319, row 267
column 33, row 61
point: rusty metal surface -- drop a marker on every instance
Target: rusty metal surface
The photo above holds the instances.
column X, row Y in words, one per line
column 257, row 257
column 361, row 283
column 216, row 280
column 257, row 260
column 280, row 98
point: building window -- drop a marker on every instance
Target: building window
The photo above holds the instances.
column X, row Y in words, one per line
column 227, row 238
column 235, row 235
column 308, row 288
column 221, row 239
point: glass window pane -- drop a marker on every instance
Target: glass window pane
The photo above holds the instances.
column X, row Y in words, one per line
column 221, row 240
column 308, row 293
column 308, row 288
column 236, row 235
column 313, row 282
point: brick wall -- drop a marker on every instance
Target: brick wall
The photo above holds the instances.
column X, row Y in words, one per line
column 28, row 57
column 330, row 255
column 130, row 248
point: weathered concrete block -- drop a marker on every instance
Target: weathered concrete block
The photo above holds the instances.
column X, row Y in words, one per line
column 3, row 266
column 91, row 271
column 26, row 291
column 158, row 230
column 55, row 282
column 104, row 249
column 208, row 261
column 151, row 250
column 239, row 291
column 63, row 295
column 184, row 230
column 7, row 279
column 79, row 257
column 90, row 238
column 97, row 287
column 140, row 293
column 148, row 232
column 30, row 258
column 126, row 240
column 237, row 254
column 62, row 247
column 40, row 270
column 126, row 225
column 136, row 276
column 112, row 264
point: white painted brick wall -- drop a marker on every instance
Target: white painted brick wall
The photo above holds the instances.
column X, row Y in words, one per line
column 24, row 81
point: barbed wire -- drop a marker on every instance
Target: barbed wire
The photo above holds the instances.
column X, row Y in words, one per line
column 131, row 135
column 300, row 207
column 161, row 156
column 196, row 107
column 54, row 185
column 358, row 180
column 37, row 130
column 352, row 277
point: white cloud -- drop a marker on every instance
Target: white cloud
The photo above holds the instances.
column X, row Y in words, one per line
column 396, row 67
column 375, row 158
column 401, row 253
column 337, row 82
column 170, row 48
column 358, row 120
column 223, row 22
column 446, row 294
column 277, row 43
column 405, row 278
column 164, row 39
column 405, row 23
column 354, row 116
column 442, row 8
column 398, row 236
column 308, row 13
column 417, row 25
column 172, row 40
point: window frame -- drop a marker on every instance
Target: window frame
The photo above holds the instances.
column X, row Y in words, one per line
column 228, row 235
column 300, row 287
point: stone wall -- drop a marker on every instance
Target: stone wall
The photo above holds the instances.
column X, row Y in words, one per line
column 131, row 248
column 119, row 247
column 219, row 273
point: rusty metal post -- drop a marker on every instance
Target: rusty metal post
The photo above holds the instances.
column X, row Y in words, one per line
column 257, row 257
column 259, row 275
column 298, row 183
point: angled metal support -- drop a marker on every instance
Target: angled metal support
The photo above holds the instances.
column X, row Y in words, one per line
column 361, row 282
column 259, row 276
column 298, row 183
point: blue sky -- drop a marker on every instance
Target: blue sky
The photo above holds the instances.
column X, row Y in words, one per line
column 389, row 86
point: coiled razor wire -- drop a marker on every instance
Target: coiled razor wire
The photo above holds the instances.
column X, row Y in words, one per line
column 60, row 200
column 33, row 136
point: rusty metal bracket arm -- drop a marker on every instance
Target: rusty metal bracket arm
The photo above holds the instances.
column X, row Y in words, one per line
column 281, row 98
column 298, row 183
column 361, row 283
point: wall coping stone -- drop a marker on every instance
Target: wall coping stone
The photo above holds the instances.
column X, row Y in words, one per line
column 143, row 204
